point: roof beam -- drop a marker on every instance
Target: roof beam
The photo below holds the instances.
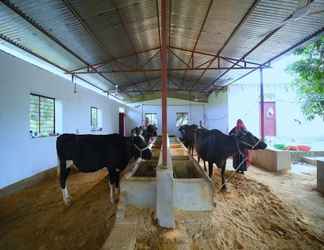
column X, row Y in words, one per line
column 103, row 63
column 317, row 33
column 37, row 26
column 128, row 36
column 142, row 70
column 197, row 39
column 249, row 11
column 125, row 86
column 8, row 40
column 90, row 32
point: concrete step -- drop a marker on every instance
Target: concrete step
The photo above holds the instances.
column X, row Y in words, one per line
column 312, row 159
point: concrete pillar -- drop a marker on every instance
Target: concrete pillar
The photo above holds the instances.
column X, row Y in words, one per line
column 164, row 192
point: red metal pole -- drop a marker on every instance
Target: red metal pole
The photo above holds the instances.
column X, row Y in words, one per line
column 261, row 104
column 164, row 77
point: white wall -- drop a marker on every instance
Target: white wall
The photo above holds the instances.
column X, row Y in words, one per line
column 195, row 111
column 22, row 156
column 217, row 111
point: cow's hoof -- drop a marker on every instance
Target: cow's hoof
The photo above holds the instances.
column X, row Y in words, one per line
column 68, row 201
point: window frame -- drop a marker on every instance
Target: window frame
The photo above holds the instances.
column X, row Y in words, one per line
column 152, row 113
column 181, row 113
column 39, row 115
column 97, row 118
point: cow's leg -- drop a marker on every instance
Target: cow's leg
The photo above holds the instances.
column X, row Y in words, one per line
column 117, row 185
column 223, row 166
column 205, row 165
column 112, row 193
column 210, row 169
column 112, row 183
column 64, row 173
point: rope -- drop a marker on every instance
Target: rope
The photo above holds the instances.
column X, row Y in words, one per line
column 235, row 169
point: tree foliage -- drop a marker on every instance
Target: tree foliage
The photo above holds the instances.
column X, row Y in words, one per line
column 308, row 73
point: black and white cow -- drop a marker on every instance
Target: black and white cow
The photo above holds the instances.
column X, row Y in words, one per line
column 90, row 153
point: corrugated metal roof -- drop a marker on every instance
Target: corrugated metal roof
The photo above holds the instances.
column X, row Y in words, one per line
column 120, row 38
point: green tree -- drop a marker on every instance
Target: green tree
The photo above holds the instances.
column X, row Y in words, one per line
column 308, row 72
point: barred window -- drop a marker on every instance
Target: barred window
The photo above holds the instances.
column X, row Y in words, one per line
column 41, row 115
column 151, row 118
column 182, row 119
column 94, row 117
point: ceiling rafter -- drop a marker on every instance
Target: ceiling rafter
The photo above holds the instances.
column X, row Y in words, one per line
column 320, row 31
column 128, row 36
column 103, row 63
column 249, row 11
column 90, row 32
column 191, row 59
column 37, row 26
column 142, row 70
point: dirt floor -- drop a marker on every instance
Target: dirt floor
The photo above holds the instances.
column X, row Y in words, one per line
column 248, row 216
column 298, row 189
column 37, row 219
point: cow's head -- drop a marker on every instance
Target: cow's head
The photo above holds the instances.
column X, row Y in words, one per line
column 140, row 148
column 248, row 141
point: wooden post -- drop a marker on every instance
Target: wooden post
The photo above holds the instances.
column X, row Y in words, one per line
column 164, row 78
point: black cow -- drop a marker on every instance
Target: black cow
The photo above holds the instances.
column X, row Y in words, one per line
column 90, row 153
column 188, row 136
column 215, row 147
column 199, row 136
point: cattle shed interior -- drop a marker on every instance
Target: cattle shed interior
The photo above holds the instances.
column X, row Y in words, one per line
column 79, row 71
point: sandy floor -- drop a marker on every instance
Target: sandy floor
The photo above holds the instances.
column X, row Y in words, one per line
column 37, row 219
column 248, row 216
column 251, row 215
column 298, row 189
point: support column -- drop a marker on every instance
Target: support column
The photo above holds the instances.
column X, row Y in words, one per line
column 164, row 78
column 261, row 104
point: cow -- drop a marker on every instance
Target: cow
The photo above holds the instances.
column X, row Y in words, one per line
column 90, row 153
column 199, row 135
column 214, row 146
column 147, row 134
column 187, row 136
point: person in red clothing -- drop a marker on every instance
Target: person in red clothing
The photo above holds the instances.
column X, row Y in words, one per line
column 239, row 156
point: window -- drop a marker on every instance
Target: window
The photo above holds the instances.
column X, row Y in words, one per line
column 182, row 119
column 151, row 118
column 94, row 118
column 41, row 115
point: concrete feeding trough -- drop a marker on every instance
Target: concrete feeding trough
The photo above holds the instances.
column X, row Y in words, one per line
column 179, row 185
column 272, row 160
column 192, row 191
column 139, row 187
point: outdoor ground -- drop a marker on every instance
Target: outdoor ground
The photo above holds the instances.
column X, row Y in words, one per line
column 261, row 210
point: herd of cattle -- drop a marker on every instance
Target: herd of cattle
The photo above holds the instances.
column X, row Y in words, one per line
column 213, row 146
column 90, row 153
